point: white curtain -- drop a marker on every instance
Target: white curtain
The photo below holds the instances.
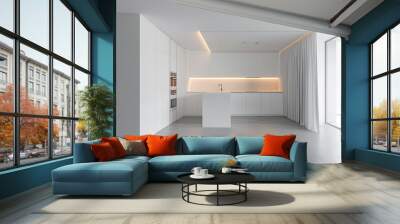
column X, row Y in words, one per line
column 298, row 65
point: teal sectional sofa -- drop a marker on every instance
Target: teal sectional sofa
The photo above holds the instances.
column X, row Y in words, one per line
column 125, row 176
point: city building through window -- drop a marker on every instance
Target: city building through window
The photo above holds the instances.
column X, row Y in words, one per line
column 40, row 124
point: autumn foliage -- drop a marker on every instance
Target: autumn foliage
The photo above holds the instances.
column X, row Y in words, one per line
column 33, row 131
column 380, row 127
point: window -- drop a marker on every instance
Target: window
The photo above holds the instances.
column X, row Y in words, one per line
column 30, row 72
column 34, row 21
column 30, row 87
column 81, row 45
column 3, row 78
column 6, row 142
column 6, row 73
column 38, row 74
column 3, row 61
column 7, row 14
column 385, row 94
column 62, row 31
column 42, row 123
column 44, row 91
column 61, row 75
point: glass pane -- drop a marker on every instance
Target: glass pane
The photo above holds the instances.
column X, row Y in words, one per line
column 7, row 14
column 379, row 55
column 6, row 74
column 81, row 82
column 81, row 45
column 62, row 28
column 395, row 138
column 33, row 139
column 62, row 89
column 379, row 97
column 379, row 135
column 395, row 94
column 6, row 142
column 395, row 47
column 62, row 138
column 34, row 97
column 81, row 131
column 35, row 21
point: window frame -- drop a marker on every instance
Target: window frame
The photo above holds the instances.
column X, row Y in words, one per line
column 388, row 74
column 16, row 114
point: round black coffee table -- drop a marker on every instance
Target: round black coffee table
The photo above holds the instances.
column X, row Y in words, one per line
column 238, row 179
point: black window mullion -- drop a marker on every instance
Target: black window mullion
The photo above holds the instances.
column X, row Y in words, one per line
column 16, row 84
column 389, row 100
column 371, row 124
column 73, row 82
column 50, row 87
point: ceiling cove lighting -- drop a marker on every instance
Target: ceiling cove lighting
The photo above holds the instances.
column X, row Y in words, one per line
column 234, row 84
column 203, row 41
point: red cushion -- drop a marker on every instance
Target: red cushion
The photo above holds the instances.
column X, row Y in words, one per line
column 161, row 145
column 116, row 145
column 103, row 152
column 277, row 145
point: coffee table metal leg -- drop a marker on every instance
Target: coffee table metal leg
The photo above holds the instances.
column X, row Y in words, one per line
column 217, row 194
column 188, row 189
column 195, row 188
column 245, row 193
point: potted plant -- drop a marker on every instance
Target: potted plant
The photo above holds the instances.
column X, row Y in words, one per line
column 96, row 102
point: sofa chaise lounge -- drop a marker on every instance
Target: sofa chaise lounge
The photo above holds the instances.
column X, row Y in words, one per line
column 125, row 176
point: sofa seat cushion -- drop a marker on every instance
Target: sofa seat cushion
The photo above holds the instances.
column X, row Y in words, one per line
column 113, row 171
column 185, row 163
column 133, row 158
column 257, row 163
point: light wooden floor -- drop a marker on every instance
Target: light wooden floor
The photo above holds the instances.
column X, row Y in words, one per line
column 353, row 182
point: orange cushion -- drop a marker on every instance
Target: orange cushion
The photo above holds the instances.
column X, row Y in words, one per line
column 277, row 145
column 103, row 152
column 116, row 145
column 161, row 145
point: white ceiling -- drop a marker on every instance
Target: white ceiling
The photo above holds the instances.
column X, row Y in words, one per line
column 269, row 41
column 231, row 33
column 223, row 33
column 320, row 9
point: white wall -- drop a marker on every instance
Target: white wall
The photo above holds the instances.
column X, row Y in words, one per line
column 154, row 82
column 145, row 58
column 128, row 74
column 232, row 64
column 203, row 64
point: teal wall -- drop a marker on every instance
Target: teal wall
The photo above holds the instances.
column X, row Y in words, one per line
column 356, row 134
column 103, row 51
column 24, row 178
column 99, row 15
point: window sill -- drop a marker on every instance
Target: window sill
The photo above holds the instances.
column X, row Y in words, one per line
column 17, row 169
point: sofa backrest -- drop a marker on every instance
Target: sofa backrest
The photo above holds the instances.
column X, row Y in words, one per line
column 194, row 145
column 249, row 145
column 83, row 152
